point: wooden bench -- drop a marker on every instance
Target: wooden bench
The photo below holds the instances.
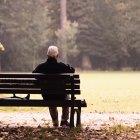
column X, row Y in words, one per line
column 33, row 83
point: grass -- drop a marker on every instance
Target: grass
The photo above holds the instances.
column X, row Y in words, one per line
column 111, row 91
column 107, row 92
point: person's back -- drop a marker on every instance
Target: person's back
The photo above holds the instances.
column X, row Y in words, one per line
column 51, row 66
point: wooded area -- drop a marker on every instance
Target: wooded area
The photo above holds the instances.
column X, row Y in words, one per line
column 97, row 34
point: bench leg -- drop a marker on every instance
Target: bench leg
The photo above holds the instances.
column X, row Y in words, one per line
column 72, row 117
column 78, row 123
column 78, row 113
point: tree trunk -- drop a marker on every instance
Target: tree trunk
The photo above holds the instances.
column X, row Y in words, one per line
column 63, row 14
column 86, row 62
column 63, row 20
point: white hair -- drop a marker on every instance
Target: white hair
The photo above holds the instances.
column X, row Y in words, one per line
column 52, row 51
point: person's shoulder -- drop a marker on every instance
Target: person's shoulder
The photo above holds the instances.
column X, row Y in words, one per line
column 39, row 67
column 43, row 63
column 61, row 63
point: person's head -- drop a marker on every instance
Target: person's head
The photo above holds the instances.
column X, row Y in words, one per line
column 52, row 52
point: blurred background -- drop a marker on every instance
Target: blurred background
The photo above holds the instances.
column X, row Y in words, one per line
column 91, row 34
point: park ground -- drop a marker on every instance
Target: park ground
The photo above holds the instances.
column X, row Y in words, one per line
column 113, row 112
column 36, row 125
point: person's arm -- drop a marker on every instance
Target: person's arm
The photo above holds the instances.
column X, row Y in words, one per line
column 66, row 68
column 70, row 69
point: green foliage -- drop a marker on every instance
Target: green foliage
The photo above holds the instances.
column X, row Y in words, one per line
column 28, row 25
column 97, row 36
column 107, row 33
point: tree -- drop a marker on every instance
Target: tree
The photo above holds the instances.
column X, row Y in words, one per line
column 28, row 27
column 105, row 36
column 66, row 40
column 128, row 31
column 66, row 35
column 97, row 38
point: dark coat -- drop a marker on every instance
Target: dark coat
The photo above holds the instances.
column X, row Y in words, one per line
column 51, row 66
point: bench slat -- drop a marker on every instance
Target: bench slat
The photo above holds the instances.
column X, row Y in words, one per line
column 37, row 91
column 2, row 86
column 21, row 80
column 36, row 75
column 42, row 103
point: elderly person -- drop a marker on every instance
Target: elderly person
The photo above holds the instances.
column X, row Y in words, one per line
column 51, row 66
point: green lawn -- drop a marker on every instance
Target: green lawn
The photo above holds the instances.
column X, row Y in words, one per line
column 107, row 92
column 111, row 91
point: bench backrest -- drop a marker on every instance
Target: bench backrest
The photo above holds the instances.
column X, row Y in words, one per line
column 33, row 83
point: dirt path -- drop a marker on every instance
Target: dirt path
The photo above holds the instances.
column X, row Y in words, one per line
column 92, row 120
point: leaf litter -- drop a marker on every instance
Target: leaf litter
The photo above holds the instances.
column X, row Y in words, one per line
column 95, row 126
